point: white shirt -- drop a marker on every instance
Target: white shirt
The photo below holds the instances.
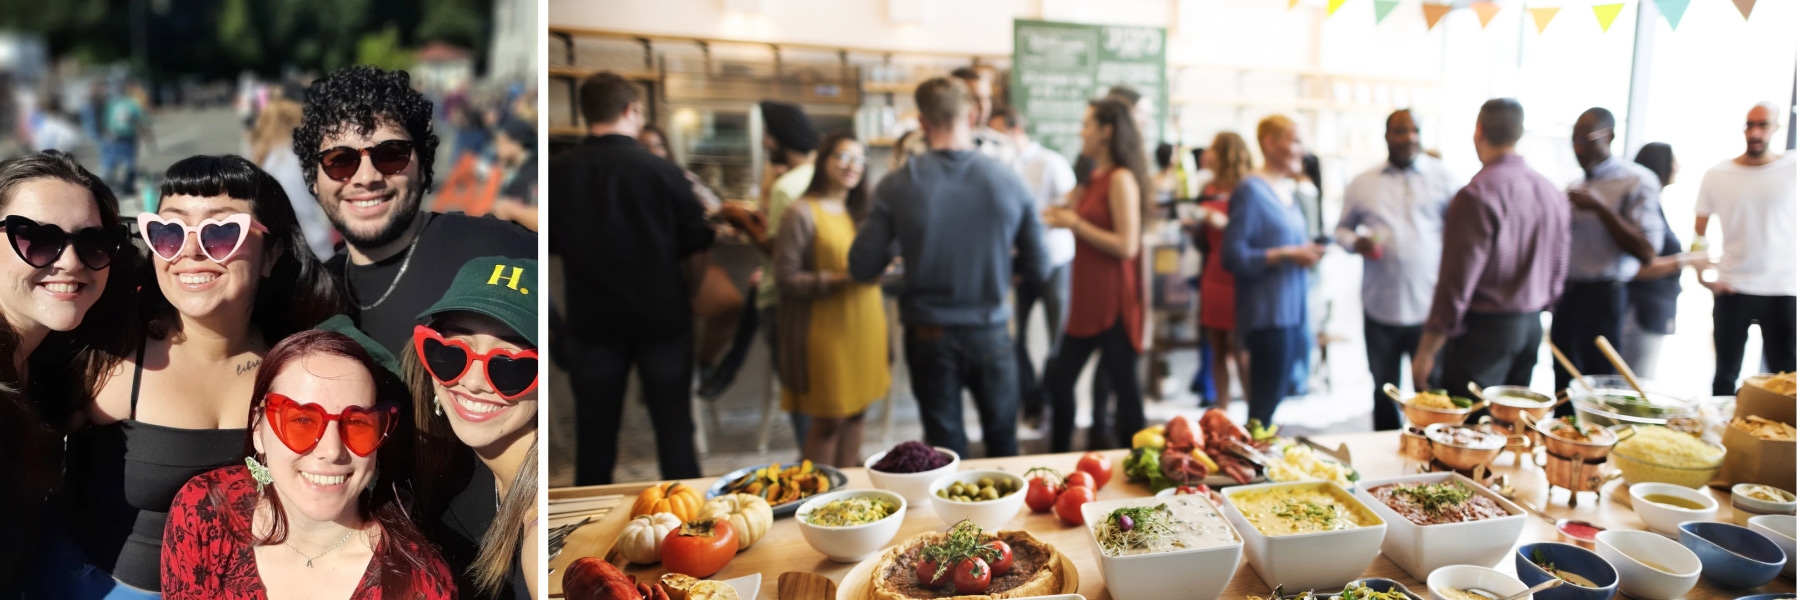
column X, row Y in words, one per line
column 1756, row 210
column 1050, row 178
column 285, row 168
column 1406, row 208
column 993, row 144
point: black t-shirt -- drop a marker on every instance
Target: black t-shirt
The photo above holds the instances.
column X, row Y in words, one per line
column 460, row 532
column 447, row 242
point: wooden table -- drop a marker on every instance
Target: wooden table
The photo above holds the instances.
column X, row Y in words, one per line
column 1375, row 455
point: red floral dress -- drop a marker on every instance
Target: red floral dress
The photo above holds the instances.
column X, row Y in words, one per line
column 205, row 555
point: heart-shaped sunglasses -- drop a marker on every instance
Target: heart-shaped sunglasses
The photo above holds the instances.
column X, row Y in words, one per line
column 219, row 238
column 301, row 426
column 511, row 373
column 40, row 244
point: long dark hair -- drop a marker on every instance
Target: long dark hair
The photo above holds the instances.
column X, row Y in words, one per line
column 1126, row 148
column 1657, row 157
column 298, row 293
column 856, row 201
column 402, row 550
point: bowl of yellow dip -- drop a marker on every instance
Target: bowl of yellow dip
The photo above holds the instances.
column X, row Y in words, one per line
column 1305, row 535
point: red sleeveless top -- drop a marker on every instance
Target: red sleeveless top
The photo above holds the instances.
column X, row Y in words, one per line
column 1102, row 288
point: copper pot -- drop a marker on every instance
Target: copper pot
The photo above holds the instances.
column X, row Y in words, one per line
column 1415, row 446
column 1465, row 457
column 1588, row 451
column 1420, row 416
column 1507, row 402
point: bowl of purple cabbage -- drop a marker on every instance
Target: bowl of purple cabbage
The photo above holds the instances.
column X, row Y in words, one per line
column 910, row 468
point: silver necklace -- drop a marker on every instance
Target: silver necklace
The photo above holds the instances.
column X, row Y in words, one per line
column 397, row 276
column 309, row 559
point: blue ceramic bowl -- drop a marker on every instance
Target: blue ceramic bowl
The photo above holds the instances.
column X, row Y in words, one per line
column 1573, row 559
column 1732, row 557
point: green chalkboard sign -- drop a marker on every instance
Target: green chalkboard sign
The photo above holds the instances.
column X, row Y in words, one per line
column 1059, row 67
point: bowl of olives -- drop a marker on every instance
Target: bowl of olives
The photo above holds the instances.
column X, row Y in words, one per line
column 989, row 499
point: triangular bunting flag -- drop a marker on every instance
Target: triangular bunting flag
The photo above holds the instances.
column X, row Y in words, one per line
column 1383, row 7
column 1434, row 12
column 1672, row 10
column 1744, row 7
column 1485, row 11
column 1542, row 16
column 1332, row 6
column 1606, row 13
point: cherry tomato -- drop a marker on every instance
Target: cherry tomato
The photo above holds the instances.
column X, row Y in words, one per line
column 1003, row 560
column 925, row 571
column 1079, row 479
column 971, row 576
column 700, row 549
column 1097, row 466
column 1041, row 494
column 1069, row 505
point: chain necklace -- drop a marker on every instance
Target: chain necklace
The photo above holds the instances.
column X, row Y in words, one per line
column 397, row 276
column 309, row 559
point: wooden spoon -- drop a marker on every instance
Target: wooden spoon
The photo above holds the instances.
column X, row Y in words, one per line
column 1620, row 364
column 796, row 585
column 1575, row 375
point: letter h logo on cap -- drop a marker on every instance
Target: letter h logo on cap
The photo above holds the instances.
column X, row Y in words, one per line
column 511, row 280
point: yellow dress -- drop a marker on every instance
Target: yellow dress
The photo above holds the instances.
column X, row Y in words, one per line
column 847, row 336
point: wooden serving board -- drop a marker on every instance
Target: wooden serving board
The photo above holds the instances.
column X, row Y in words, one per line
column 857, row 585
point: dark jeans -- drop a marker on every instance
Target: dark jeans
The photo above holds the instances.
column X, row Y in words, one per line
column 1733, row 315
column 1387, row 346
column 1119, row 360
column 664, row 370
column 942, row 362
column 1053, row 292
column 1495, row 349
column 1273, row 353
column 1587, row 309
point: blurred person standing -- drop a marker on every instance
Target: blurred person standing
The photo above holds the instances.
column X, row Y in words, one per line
column 657, row 142
column 1507, row 247
column 51, row 128
column 367, row 150
column 121, row 126
column 1106, row 305
column 1753, row 196
column 1651, row 295
column 272, row 148
column 516, row 162
column 1266, row 247
column 1229, row 158
column 1615, row 228
column 1048, row 177
column 957, row 217
column 834, row 331
column 989, row 141
column 1394, row 216
column 634, row 254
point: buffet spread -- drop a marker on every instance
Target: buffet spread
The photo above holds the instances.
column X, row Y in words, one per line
column 1209, row 509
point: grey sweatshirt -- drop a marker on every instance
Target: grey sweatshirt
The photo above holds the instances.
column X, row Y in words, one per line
column 957, row 217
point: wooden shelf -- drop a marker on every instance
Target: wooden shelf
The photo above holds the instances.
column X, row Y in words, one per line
column 580, row 73
column 584, row 32
column 883, row 87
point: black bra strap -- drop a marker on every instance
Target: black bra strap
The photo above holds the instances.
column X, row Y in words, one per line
column 137, row 377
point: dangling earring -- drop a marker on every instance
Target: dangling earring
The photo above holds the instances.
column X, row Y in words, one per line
column 259, row 473
column 437, row 405
column 373, row 477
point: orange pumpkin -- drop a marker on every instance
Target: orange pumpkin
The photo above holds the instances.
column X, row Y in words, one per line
column 674, row 498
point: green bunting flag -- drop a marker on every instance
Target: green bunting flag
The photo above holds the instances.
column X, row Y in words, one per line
column 1383, row 7
column 1672, row 10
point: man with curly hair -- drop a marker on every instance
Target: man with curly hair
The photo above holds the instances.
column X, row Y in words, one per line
column 366, row 147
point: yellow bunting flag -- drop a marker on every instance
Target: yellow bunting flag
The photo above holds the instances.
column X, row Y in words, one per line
column 1606, row 13
column 1383, row 7
column 1485, row 11
column 1434, row 12
column 1291, row 4
column 1332, row 6
column 1542, row 16
column 1744, row 7
column 1672, row 10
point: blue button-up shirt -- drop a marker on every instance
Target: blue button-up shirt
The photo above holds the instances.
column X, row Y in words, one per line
column 1630, row 190
column 1404, row 210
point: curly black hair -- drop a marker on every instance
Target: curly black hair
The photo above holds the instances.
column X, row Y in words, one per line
column 364, row 97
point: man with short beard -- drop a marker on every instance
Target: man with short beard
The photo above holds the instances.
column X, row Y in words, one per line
column 1753, row 196
column 366, row 146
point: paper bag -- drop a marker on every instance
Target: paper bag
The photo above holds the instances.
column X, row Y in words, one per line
column 1751, row 460
column 1755, row 400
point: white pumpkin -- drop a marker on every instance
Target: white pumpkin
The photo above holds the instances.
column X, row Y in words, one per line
column 749, row 515
column 642, row 539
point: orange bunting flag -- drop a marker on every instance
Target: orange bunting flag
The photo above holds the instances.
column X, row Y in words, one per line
column 1744, row 7
column 1486, row 11
column 1434, row 12
column 1542, row 17
column 1332, row 6
column 1606, row 13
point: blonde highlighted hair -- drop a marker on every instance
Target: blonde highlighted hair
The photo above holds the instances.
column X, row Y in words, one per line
column 1231, row 161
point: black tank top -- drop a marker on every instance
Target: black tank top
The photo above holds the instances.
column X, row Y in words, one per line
column 133, row 471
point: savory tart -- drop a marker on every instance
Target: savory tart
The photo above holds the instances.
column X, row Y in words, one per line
column 1037, row 570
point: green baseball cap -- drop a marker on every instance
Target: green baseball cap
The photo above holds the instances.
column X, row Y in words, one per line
column 342, row 324
column 497, row 287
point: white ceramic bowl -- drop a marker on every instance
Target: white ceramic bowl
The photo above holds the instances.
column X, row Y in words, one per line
column 857, row 542
column 1663, row 518
column 990, row 515
column 915, row 487
column 1324, row 560
column 1464, row 577
column 1629, row 551
column 1192, row 573
column 1780, row 529
column 1422, row 549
